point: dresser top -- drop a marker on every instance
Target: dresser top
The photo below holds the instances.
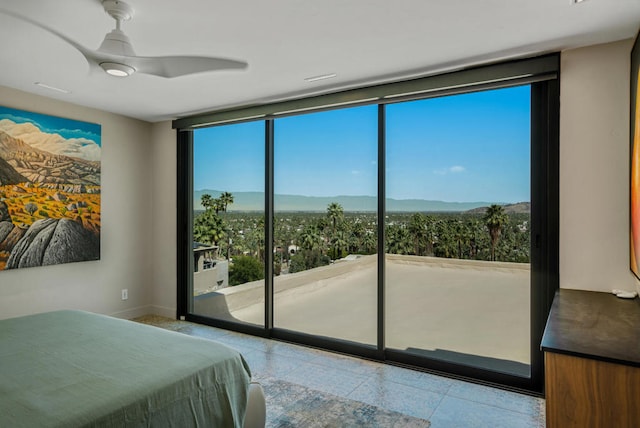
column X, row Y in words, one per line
column 594, row 325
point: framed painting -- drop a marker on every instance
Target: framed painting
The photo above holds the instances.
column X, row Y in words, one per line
column 49, row 190
column 635, row 160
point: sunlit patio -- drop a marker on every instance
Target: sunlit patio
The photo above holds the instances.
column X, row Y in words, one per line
column 471, row 312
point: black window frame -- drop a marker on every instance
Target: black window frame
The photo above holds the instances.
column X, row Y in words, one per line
column 542, row 73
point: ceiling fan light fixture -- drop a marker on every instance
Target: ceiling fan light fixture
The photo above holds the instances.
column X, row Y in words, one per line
column 116, row 69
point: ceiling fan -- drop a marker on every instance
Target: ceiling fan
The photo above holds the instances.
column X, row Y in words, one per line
column 117, row 57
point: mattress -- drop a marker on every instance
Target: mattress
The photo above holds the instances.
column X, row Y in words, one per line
column 74, row 369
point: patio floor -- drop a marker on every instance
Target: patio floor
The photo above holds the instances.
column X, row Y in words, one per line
column 470, row 312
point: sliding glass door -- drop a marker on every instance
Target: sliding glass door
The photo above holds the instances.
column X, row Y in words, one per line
column 325, row 228
column 418, row 226
column 458, row 183
column 228, row 223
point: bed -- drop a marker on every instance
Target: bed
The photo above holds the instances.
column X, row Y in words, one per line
column 74, row 368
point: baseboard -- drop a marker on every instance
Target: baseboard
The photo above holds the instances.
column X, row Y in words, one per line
column 163, row 311
column 139, row 311
column 133, row 312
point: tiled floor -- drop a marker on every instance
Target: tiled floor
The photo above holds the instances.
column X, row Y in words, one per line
column 445, row 402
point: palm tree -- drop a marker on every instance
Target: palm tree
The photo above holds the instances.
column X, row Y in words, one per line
column 226, row 199
column 398, row 240
column 369, row 243
column 208, row 228
column 335, row 214
column 310, row 239
column 339, row 244
column 216, row 204
column 206, row 201
column 417, row 225
column 495, row 218
column 357, row 233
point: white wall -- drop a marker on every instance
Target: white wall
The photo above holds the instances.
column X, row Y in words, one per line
column 164, row 219
column 594, row 168
column 127, row 213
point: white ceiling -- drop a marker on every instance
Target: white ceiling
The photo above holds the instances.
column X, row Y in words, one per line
column 285, row 41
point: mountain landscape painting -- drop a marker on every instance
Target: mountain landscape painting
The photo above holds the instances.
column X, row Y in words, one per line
column 49, row 190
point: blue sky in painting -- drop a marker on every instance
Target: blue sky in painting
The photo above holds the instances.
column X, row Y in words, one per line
column 463, row 148
column 67, row 128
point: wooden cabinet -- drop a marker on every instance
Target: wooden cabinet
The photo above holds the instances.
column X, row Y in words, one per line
column 592, row 361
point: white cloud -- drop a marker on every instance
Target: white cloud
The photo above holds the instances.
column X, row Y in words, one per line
column 53, row 143
column 456, row 169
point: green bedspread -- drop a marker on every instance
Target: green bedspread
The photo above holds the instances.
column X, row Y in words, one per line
column 73, row 369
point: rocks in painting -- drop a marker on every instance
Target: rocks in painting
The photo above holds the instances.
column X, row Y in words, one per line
column 4, row 213
column 79, row 188
column 5, row 229
column 8, row 175
column 50, row 241
column 74, row 206
column 12, row 237
column 59, row 197
column 68, row 188
column 18, row 189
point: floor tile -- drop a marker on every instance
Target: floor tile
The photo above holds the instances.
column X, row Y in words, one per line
column 398, row 397
column 288, row 350
column 457, row 413
column 446, row 402
column 496, row 397
column 265, row 364
column 327, row 379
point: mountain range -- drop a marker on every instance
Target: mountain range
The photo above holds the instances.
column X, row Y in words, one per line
column 23, row 162
column 254, row 201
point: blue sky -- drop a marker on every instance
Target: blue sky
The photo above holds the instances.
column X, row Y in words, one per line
column 464, row 148
column 66, row 128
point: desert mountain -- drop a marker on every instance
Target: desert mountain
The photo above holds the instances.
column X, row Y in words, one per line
column 518, row 208
column 8, row 175
column 254, row 201
column 80, row 148
column 40, row 166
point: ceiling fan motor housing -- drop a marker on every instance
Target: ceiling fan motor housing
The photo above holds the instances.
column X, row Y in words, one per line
column 118, row 10
column 117, row 43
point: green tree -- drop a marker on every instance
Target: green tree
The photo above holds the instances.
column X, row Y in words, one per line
column 225, row 199
column 356, row 236
column 310, row 239
column 335, row 213
column 245, row 269
column 417, row 225
column 340, row 245
column 208, row 228
column 495, row 219
column 206, row 201
column 31, row 208
column 369, row 243
column 398, row 240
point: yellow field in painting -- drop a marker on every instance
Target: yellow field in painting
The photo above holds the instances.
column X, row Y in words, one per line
column 51, row 204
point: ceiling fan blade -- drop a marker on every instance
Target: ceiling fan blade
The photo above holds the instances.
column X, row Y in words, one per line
column 176, row 66
column 90, row 56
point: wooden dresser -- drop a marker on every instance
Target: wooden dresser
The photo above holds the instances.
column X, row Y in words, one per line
column 592, row 361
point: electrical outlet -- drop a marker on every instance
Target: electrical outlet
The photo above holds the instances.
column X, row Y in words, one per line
column 125, row 294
